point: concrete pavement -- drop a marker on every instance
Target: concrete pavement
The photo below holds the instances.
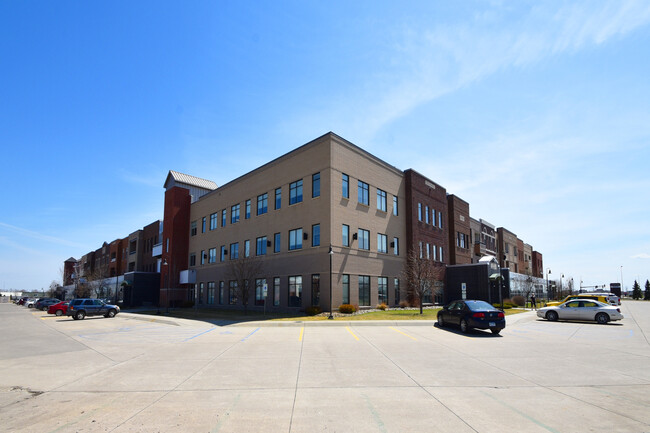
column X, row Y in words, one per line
column 163, row 374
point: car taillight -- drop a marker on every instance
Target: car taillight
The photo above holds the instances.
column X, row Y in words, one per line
column 501, row 315
column 478, row 315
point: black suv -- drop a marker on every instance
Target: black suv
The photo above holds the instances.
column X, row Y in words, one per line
column 82, row 307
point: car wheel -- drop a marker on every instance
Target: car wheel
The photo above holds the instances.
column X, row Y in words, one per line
column 441, row 321
column 80, row 315
column 45, row 308
column 58, row 313
column 111, row 313
column 552, row 316
column 602, row 318
column 463, row 326
column 495, row 331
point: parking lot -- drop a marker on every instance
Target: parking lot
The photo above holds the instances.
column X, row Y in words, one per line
column 137, row 373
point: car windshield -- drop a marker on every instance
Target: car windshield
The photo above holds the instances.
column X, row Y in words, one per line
column 479, row 305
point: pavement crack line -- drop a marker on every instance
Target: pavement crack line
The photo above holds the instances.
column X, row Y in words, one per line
column 295, row 392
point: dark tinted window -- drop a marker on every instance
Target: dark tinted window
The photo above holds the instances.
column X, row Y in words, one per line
column 478, row 305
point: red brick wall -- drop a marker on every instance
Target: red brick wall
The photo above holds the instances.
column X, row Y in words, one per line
column 175, row 244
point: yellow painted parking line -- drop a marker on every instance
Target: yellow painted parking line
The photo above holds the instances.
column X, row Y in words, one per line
column 302, row 331
column 397, row 330
column 350, row 331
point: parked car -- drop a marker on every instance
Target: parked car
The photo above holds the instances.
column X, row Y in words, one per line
column 82, row 307
column 472, row 314
column 58, row 309
column 30, row 303
column 593, row 296
column 611, row 298
column 22, row 300
column 44, row 303
column 581, row 310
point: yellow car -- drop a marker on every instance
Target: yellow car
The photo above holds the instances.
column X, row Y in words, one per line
column 595, row 297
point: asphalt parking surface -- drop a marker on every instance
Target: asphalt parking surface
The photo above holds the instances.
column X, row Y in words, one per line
column 150, row 374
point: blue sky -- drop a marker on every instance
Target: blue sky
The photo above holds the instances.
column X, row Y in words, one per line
column 536, row 113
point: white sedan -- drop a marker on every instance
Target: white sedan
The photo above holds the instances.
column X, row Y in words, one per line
column 576, row 309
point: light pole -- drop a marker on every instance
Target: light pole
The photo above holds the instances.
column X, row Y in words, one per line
column 622, row 289
column 548, row 290
column 330, row 253
column 561, row 286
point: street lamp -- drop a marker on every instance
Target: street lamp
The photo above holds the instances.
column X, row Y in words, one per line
column 548, row 290
column 561, row 286
column 330, row 253
column 622, row 289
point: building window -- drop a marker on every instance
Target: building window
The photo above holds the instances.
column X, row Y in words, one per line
column 295, row 239
column 221, row 294
column 203, row 224
column 419, row 211
column 223, row 254
column 315, row 289
column 260, row 246
column 364, row 290
column 363, row 194
column 345, row 189
column 346, row 235
column 234, row 251
column 212, row 255
column 203, row 257
column 397, row 294
column 259, row 291
column 439, row 219
column 315, row 235
column 192, row 259
column 278, row 198
column 346, row 288
column 211, row 290
column 295, row 192
column 247, row 248
column 420, row 244
column 234, row 214
column 364, row 239
column 382, row 290
column 247, row 213
column 395, row 205
column 232, row 292
column 262, row 203
column 277, row 239
column 223, row 217
column 213, row 220
column 396, row 246
column 382, row 246
column 295, row 291
column 315, row 185
column 381, row 200
column 441, row 256
column 193, row 228
column 426, row 215
column 428, row 249
column 435, row 254
column 276, row 291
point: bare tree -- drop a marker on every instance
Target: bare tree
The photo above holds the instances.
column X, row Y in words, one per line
column 244, row 271
column 527, row 286
column 423, row 276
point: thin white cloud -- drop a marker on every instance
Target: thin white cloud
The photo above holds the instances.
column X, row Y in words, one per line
column 643, row 256
column 38, row 236
column 430, row 63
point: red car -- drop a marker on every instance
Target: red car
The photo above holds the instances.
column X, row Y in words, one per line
column 59, row 309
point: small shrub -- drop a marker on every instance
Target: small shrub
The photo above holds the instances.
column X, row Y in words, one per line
column 313, row 310
column 506, row 305
column 347, row 308
column 403, row 304
column 382, row 306
column 518, row 300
